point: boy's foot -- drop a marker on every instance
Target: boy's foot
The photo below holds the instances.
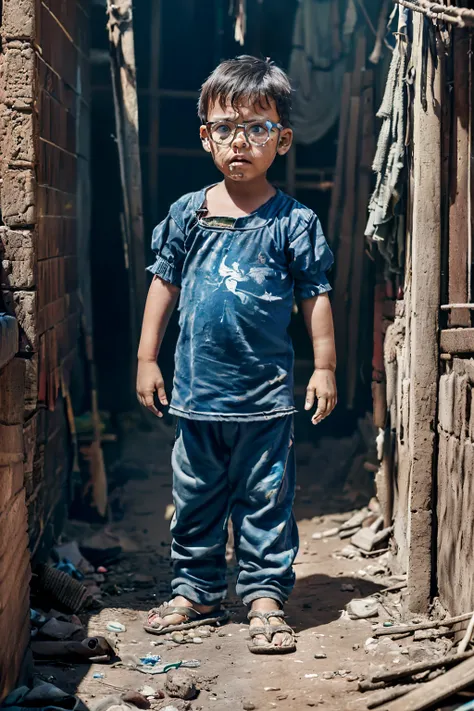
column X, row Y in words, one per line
column 283, row 639
column 165, row 617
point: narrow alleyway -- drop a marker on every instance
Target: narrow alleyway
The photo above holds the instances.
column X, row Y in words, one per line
column 229, row 676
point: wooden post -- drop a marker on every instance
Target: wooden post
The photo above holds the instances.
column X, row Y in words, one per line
column 124, row 83
column 426, row 265
column 459, row 217
column 154, row 99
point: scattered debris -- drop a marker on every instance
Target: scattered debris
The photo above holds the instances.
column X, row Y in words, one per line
column 117, row 627
column 433, row 624
column 361, row 609
column 248, row 706
column 181, row 684
column 97, row 648
column 320, row 655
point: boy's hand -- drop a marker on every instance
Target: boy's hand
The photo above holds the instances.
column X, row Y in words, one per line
column 149, row 380
column 322, row 386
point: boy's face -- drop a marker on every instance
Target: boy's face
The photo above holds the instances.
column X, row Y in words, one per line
column 240, row 159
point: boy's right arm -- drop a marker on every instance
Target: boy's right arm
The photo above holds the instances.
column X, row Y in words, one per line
column 162, row 298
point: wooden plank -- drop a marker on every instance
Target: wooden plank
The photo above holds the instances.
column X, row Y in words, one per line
column 459, row 229
column 432, row 692
column 426, row 265
column 358, row 252
column 457, row 340
column 154, row 101
column 340, row 162
column 124, row 82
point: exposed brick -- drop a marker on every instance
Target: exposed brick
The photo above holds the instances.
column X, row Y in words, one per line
column 19, row 18
column 12, row 384
column 17, row 257
column 22, row 304
column 31, row 384
column 11, row 444
column 19, row 145
column 19, row 66
column 11, row 481
column 18, row 197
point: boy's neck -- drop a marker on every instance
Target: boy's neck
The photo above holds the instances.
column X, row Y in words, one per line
column 250, row 190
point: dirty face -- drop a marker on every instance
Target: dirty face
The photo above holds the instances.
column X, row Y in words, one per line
column 236, row 152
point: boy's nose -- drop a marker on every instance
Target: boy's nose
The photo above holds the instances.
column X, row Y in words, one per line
column 240, row 138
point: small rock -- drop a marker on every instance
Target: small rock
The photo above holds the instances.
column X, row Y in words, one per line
column 204, row 633
column 147, row 691
column 272, row 688
column 222, row 633
column 218, row 646
column 248, row 706
column 355, row 647
column 310, row 676
column 362, row 609
column 328, row 675
column 320, row 655
column 177, row 637
column 343, row 673
column 347, row 587
column 191, row 633
column 352, row 677
column 197, row 640
column 282, row 697
column 137, row 699
column 180, row 684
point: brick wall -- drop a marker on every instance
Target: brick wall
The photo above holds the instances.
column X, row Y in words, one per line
column 43, row 147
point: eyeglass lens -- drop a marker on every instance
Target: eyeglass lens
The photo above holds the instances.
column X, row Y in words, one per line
column 256, row 132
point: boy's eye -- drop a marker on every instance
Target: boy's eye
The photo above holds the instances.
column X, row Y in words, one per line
column 257, row 129
column 221, row 129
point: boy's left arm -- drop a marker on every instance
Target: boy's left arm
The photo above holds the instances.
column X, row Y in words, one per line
column 322, row 385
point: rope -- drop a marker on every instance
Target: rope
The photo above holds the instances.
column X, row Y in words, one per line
column 460, row 16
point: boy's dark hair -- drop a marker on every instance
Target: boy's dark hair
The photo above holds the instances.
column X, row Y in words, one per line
column 250, row 79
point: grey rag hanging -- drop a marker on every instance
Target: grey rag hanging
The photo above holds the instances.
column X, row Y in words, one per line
column 321, row 41
column 386, row 223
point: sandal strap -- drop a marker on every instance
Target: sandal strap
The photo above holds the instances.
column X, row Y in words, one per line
column 166, row 610
column 269, row 631
column 265, row 616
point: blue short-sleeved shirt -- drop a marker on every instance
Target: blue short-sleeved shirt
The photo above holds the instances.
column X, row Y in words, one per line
column 234, row 357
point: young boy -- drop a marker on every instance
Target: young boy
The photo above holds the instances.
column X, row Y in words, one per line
column 234, row 254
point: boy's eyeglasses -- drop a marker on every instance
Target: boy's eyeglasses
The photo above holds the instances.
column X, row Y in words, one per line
column 256, row 132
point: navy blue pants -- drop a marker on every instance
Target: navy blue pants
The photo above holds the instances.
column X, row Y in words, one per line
column 246, row 471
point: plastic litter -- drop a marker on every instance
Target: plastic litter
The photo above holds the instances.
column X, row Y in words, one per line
column 116, row 627
column 165, row 668
column 150, row 659
column 98, row 676
column 65, row 566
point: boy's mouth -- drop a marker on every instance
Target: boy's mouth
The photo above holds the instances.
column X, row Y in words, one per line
column 239, row 160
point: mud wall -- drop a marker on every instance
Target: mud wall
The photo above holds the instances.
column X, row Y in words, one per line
column 43, row 89
column 456, row 486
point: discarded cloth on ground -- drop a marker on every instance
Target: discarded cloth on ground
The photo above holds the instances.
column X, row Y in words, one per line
column 46, row 697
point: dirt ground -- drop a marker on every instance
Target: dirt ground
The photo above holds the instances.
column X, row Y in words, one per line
column 229, row 676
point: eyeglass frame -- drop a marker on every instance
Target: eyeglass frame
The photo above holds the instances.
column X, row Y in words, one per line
column 243, row 126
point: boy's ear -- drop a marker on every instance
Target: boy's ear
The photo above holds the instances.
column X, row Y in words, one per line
column 285, row 141
column 206, row 143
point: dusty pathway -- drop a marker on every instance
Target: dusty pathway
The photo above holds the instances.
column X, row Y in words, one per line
column 233, row 678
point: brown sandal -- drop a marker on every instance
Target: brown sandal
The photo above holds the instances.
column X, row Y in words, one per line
column 269, row 631
column 193, row 618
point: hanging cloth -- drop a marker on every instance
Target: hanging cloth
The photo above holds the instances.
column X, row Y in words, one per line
column 321, row 41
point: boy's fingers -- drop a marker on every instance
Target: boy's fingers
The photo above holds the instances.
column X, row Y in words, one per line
column 160, row 389
column 309, row 402
column 150, row 404
column 321, row 411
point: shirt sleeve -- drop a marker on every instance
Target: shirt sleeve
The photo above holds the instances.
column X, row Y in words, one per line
column 168, row 245
column 310, row 258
